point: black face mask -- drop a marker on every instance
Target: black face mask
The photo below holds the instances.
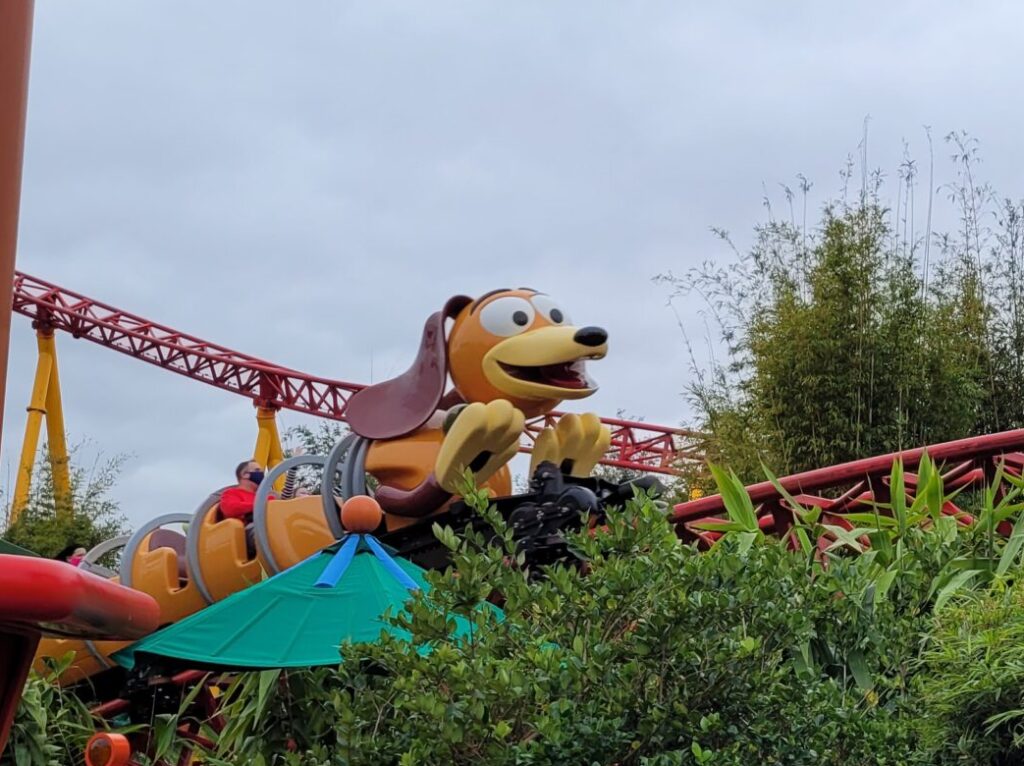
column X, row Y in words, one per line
column 256, row 476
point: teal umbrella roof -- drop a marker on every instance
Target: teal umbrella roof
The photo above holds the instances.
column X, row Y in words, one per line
column 11, row 549
column 297, row 618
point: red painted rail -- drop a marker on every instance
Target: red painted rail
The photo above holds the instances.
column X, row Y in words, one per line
column 44, row 596
column 635, row 445
column 964, row 462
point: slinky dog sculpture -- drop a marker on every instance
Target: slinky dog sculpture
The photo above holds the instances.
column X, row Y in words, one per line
column 510, row 355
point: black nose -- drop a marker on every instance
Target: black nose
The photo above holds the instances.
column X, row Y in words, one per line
column 590, row 336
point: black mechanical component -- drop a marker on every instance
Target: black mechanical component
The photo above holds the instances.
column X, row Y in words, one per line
column 554, row 505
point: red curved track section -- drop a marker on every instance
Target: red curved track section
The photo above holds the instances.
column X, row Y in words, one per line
column 841, row 488
column 637, row 446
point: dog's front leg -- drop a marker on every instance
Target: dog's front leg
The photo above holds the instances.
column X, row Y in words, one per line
column 483, row 438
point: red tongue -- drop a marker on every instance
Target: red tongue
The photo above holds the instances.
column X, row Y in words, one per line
column 562, row 375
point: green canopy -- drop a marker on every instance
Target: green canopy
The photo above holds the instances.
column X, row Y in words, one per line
column 294, row 619
column 15, row 550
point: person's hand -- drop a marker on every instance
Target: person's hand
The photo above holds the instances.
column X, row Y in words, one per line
column 297, row 451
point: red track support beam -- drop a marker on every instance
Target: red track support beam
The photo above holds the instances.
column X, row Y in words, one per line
column 637, row 446
column 870, row 470
column 17, row 648
column 15, row 48
column 38, row 595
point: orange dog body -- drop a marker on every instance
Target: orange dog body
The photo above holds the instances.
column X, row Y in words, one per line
column 510, row 354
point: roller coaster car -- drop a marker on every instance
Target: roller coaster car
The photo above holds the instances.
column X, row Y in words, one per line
column 218, row 554
column 293, row 530
column 154, row 561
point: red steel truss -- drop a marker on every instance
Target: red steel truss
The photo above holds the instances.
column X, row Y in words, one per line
column 637, row 446
column 838, row 489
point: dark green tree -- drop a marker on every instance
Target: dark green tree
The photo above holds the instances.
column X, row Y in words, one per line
column 95, row 516
column 844, row 341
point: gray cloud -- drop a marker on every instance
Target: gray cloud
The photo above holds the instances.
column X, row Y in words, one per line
column 307, row 182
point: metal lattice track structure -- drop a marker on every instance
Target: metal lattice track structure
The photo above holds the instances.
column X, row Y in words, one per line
column 965, row 463
column 635, row 445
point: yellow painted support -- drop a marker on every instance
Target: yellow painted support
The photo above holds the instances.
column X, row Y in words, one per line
column 268, row 450
column 56, row 438
column 46, row 402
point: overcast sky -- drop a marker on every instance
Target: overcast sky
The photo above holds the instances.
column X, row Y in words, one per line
column 306, row 182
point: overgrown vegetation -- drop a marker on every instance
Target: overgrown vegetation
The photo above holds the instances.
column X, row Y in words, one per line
column 653, row 653
column 865, row 333
column 94, row 515
column 896, row 645
column 50, row 727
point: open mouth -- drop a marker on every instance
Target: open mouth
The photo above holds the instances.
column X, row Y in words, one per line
column 571, row 375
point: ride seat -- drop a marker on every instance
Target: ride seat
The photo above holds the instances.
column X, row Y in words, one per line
column 220, row 554
column 156, row 567
column 295, row 530
column 168, row 538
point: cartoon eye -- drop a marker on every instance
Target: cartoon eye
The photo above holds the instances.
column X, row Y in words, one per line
column 507, row 316
column 548, row 308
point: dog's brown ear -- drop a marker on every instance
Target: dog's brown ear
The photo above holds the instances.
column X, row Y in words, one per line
column 399, row 406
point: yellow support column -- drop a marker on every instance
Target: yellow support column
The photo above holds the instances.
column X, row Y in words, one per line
column 29, row 445
column 268, row 452
column 56, row 439
column 46, row 402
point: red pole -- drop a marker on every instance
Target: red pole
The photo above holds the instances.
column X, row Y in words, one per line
column 16, row 648
column 15, row 47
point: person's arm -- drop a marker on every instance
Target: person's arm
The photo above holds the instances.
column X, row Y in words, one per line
column 289, row 485
column 235, row 505
column 291, row 478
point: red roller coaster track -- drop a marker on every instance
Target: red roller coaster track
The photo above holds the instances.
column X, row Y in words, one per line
column 838, row 489
column 638, row 446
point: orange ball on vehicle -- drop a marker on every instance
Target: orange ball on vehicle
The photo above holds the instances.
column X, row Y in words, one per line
column 361, row 514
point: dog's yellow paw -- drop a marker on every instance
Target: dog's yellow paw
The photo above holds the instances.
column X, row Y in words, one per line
column 575, row 444
column 483, row 438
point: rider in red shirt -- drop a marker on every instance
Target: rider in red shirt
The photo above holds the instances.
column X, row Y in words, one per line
column 237, row 502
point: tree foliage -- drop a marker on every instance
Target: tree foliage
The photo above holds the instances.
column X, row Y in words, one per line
column 94, row 516
column 851, row 337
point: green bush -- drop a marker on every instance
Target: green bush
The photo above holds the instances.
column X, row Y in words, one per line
column 656, row 654
column 50, row 726
column 971, row 681
column 95, row 516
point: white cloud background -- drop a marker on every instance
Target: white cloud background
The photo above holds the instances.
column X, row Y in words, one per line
column 307, row 182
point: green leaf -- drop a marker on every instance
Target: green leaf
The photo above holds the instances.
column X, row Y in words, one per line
column 735, row 498
column 747, row 540
column 859, row 669
column 959, row 581
column 1012, row 549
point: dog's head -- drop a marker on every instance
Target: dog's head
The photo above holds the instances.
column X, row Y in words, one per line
column 518, row 345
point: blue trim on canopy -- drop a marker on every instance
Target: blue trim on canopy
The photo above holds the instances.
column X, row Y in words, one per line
column 389, row 563
column 338, row 564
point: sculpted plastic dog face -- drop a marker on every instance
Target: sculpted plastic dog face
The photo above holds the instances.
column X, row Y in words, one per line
column 517, row 345
column 520, row 345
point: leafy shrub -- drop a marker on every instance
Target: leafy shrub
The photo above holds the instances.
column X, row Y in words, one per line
column 971, row 680
column 95, row 516
column 655, row 655
column 50, row 726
